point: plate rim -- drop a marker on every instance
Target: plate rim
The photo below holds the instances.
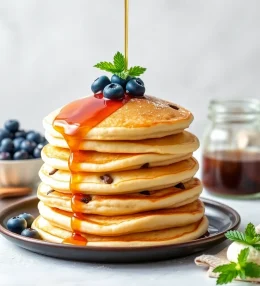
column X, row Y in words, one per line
column 5, row 232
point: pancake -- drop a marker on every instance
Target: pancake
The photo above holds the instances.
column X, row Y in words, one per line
column 168, row 236
column 120, row 182
column 181, row 143
column 122, row 204
column 92, row 161
column 119, row 225
column 139, row 118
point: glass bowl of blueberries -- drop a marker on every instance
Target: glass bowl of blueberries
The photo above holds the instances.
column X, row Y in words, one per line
column 20, row 155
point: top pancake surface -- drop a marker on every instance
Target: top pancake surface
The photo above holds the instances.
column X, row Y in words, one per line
column 139, row 118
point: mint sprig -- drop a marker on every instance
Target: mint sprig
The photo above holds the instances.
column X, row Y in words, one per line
column 118, row 67
column 242, row 269
column 250, row 237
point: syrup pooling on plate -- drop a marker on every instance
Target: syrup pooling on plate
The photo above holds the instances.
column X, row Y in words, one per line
column 73, row 122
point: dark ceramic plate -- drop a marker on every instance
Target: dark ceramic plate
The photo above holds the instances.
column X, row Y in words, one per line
column 221, row 219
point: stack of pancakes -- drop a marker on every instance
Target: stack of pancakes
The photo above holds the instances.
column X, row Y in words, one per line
column 133, row 184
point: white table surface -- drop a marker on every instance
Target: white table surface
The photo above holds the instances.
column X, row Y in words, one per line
column 21, row 267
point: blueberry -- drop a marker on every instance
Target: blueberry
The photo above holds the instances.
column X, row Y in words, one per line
column 37, row 150
column 4, row 134
column 29, row 131
column 20, row 134
column 7, row 145
column 135, row 87
column 32, row 233
column 28, row 217
column 21, row 155
column 17, row 142
column 12, row 136
column 40, row 146
column 34, row 136
column 43, row 140
column 139, row 80
column 16, row 224
column 28, row 146
column 100, row 83
column 11, row 125
column 5, row 156
column 119, row 80
column 113, row 91
column 37, row 153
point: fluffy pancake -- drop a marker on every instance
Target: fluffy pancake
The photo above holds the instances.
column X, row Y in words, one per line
column 139, row 118
column 122, row 182
column 160, row 237
column 122, row 204
column 92, row 161
column 119, row 225
column 181, row 143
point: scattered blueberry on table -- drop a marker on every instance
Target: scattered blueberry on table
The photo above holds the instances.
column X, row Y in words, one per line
column 18, row 144
column 21, row 224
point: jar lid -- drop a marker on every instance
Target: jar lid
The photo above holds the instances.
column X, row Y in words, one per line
column 234, row 110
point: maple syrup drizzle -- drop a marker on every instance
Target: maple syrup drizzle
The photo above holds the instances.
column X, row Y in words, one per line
column 73, row 122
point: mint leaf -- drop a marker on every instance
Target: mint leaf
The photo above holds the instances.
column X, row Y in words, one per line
column 136, row 71
column 227, row 277
column 250, row 233
column 119, row 61
column 256, row 246
column 242, row 256
column 236, row 236
column 225, row 267
column 242, row 274
column 252, row 270
column 106, row 66
column 123, row 74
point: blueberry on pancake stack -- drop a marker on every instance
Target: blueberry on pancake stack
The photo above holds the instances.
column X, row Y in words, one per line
column 119, row 171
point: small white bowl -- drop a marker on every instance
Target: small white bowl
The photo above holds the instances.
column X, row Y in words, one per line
column 20, row 173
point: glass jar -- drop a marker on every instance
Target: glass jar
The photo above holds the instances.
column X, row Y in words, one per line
column 231, row 149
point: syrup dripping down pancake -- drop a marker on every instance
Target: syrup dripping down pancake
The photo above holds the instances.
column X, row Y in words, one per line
column 119, row 225
column 168, row 236
column 121, row 204
column 120, row 182
column 92, row 161
column 181, row 143
column 139, row 118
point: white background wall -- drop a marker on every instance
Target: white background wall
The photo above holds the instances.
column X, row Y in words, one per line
column 194, row 50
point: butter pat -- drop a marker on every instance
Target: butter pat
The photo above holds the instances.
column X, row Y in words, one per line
column 235, row 248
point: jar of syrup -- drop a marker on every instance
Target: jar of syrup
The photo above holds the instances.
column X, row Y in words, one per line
column 231, row 149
